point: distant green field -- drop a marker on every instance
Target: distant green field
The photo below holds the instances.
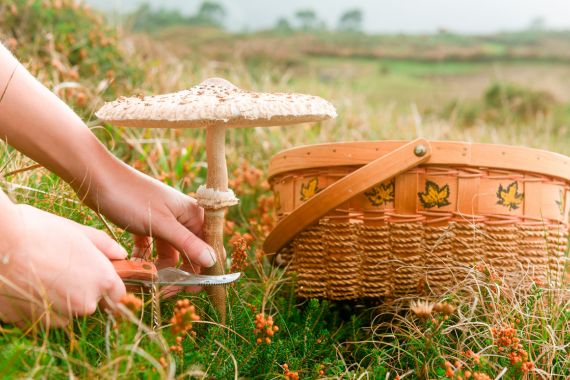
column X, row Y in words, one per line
column 409, row 81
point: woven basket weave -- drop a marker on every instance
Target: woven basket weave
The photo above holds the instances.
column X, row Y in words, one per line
column 392, row 218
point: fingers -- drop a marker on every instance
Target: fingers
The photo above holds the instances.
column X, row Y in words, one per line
column 191, row 216
column 188, row 244
column 168, row 257
column 106, row 283
column 142, row 248
column 167, row 254
column 113, row 296
column 112, row 289
column 101, row 285
column 171, row 290
column 104, row 243
column 190, row 267
column 115, row 289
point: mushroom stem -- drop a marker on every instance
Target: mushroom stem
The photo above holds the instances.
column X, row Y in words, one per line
column 217, row 179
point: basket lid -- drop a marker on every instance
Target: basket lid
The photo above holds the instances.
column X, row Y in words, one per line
column 452, row 153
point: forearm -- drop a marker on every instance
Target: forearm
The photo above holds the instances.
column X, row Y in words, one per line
column 6, row 207
column 9, row 227
column 37, row 123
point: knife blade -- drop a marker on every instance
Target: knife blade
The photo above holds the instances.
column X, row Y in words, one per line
column 145, row 273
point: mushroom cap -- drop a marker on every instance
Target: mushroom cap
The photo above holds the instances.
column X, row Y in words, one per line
column 215, row 102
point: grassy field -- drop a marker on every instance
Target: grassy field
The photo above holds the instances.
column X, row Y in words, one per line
column 483, row 328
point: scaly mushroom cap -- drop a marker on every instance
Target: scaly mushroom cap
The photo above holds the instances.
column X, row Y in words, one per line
column 214, row 102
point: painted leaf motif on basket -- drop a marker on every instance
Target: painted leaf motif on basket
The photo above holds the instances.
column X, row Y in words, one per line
column 381, row 194
column 434, row 195
column 309, row 189
column 510, row 196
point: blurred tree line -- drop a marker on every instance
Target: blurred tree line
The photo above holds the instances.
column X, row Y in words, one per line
column 211, row 13
column 307, row 20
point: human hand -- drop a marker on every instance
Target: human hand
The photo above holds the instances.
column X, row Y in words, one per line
column 58, row 139
column 147, row 207
column 53, row 269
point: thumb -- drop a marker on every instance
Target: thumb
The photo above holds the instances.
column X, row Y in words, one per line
column 192, row 247
column 104, row 243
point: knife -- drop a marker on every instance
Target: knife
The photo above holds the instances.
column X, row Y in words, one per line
column 145, row 273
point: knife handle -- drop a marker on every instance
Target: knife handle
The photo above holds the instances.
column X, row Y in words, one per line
column 135, row 270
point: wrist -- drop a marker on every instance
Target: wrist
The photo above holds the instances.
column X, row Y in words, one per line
column 88, row 168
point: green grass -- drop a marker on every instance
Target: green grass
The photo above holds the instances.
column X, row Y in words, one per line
column 376, row 99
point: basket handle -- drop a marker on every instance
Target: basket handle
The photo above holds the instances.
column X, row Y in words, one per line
column 389, row 165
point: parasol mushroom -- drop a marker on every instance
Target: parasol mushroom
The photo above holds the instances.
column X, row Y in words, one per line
column 215, row 104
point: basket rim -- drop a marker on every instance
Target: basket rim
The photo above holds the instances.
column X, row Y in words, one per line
column 452, row 153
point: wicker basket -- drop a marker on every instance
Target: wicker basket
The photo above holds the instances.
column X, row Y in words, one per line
column 393, row 218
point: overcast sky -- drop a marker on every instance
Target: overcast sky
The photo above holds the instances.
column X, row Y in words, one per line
column 467, row 16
